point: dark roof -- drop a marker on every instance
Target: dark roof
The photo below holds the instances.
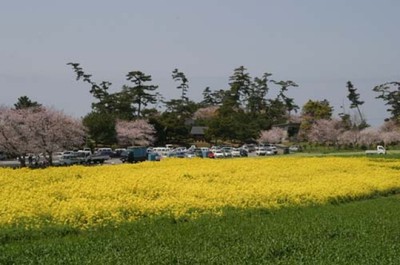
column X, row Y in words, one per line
column 198, row 130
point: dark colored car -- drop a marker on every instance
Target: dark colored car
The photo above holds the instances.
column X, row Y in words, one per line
column 243, row 152
column 106, row 153
column 134, row 154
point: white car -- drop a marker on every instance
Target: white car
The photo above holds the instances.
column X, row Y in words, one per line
column 270, row 151
column 227, row 151
column 219, row 153
column 272, row 147
column 261, row 151
column 214, row 148
column 235, row 152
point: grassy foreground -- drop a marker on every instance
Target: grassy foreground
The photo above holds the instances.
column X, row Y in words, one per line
column 362, row 232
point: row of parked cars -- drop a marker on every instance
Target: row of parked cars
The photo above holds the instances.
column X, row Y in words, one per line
column 84, row 156
column 225, row 151
column 204, row 152
column 136, row 154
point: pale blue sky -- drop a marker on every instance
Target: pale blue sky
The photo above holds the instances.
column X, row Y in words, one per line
column 319, row 44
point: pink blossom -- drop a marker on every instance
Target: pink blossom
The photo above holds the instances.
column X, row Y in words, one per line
column 38, row 130
column 325, row 131
column 350, row 137
column 206, row 113
column 369, row 136
column 273, row 136
column 138, row 132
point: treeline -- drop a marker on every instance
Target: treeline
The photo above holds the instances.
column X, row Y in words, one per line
column 248, row 110
column 248, row 106
column 236, row 114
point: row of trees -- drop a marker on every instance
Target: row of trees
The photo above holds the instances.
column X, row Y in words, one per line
column 238, row 113
column 245, row 111
column 247, row 101
column 333, row 132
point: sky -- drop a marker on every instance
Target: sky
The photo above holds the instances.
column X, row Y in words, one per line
column 319, row 44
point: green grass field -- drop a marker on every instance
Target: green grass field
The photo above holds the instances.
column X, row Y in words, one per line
column 363, row 232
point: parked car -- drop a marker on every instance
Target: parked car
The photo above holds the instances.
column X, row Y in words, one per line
column 271, row 147
column 67, row 152
column 69, row 159
column 179, row 149
column 119, row 151
column 57, row 156
column 261, row 151
column 219, row 153
column 243, row 152
column 270, row 151
column 295, row 148
column 134, row 154
column 87, row 157
column 227, row 151
column 380, row 150
column 163, row 151
column 235, row 152
column 178, row 154
column 198, row 152
column 249, row 147
column 190, row 154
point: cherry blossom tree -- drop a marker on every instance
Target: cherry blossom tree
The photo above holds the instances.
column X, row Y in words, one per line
column 206, row 113
column 349, row 137
column 14, row 136
column 325, row 131
column 273, row 136
column 370, row 136
column 390, row 132
column 52, row 130
column 138, row 132
column 390, row 137
column 295, row 118
column 389, row 126
column 38, row 130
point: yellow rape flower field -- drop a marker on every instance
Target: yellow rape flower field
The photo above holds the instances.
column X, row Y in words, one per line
column 95, row 196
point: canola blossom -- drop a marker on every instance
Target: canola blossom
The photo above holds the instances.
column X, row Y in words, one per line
column 84, row 197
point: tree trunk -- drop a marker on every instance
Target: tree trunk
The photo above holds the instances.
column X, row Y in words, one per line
column 50, row 160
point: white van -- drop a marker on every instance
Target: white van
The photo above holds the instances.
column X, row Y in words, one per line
column 104, row 149
column 163, row 151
